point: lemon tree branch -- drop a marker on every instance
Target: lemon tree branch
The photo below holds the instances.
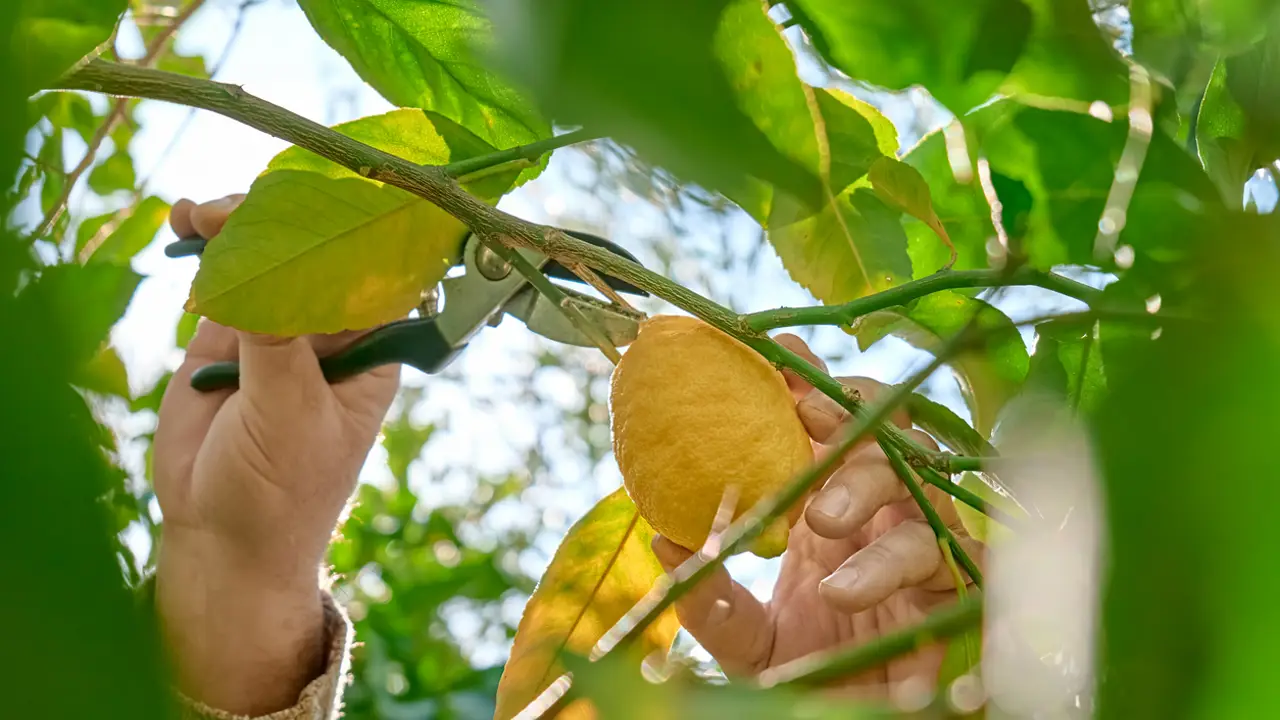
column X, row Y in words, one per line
column 434, row 183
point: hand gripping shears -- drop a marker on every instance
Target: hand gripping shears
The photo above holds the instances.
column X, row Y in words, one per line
column 487, row 290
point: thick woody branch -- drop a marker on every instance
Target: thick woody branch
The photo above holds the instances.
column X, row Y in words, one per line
column 434, row 184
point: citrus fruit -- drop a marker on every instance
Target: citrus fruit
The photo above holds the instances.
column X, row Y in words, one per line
column 696, row 414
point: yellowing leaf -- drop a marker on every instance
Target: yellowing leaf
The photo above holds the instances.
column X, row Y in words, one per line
column 855, row 246
column 602, row 568
column 903, row 187
column 317, row 248
column 307, row 254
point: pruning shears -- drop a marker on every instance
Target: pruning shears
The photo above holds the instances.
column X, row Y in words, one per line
column 487, row 290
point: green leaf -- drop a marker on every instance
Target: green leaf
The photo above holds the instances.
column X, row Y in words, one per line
column 52, row 35
column 306, row 253
column 1080, row 355
column 67, row 109
column 1067, row 57
column 403, row 440
column 86, row 301
column 960, row 54
column 853, row 247
column 947, row 428
column 133, row 234
column 602, row 65
column 601, row 569
column 317, row 248
column 1067, row 162
column 1188, row 482
column 429, row 54
column 113, row 174
column 185, row 329
column 988, row 376
column 957, row 199
column 191, row 65
column 104, row 374
column 1238, row 129
column 829, row 132
column 901, row 186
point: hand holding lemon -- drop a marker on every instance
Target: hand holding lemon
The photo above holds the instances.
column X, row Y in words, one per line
column 696, row 413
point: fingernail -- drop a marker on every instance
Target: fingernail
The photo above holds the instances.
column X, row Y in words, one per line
column 719, row 612
column 832, row 502
column 844, row 578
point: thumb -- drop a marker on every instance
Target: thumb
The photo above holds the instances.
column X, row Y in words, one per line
column 722, row 615
column 279, row 374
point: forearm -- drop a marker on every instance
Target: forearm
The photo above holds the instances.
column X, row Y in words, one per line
column 243, row 640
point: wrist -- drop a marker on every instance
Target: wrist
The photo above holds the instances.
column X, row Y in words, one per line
column 245, row 636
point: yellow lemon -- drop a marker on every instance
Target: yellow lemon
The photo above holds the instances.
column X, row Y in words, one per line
column 696, row 415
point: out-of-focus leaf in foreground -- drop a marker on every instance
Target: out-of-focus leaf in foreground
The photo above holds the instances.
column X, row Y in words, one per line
column 602, row 568
column 52, row 35
column 620, row 692
column 646, row 74
column 961, row 53
column 1188, row 453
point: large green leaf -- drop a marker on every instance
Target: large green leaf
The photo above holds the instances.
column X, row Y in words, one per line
column 307, row 254
column 1168, row 34
column 988, row 375
column 1067, row 57
column 317, row 248
column 85, row 302
column 959, row 51
column 52, row 35
column 853, row 244
column 603, row 567
column 1189, row 483
column 853, row 247
column 647, row 74
column 1067, row 162
column 429, row 54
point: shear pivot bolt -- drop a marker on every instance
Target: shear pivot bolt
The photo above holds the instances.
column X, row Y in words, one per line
column 490, row 265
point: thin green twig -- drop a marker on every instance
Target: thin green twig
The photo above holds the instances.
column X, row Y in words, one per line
column 945, row 280
column 968, row 497
column 532, row 151
column 908, row 477
column 820, row 670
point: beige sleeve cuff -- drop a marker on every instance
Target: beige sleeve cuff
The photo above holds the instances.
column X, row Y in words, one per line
column 321, row 699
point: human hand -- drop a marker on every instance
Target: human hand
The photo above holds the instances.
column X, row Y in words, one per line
column 861, row 562
column 252, row 483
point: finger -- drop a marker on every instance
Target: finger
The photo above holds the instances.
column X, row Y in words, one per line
column 824, row 418
column 722, row 615
column 208, row 218
column 369, row 393
column 799, row 386
column 907, row 556
column 185, row 413
column 864, row 484
column 280, row 377
column 180, row 218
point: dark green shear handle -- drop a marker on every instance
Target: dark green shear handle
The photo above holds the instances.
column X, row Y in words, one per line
column 417, row 342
